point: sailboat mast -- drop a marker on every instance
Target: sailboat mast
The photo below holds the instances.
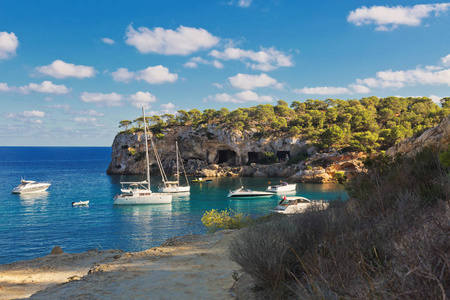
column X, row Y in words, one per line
column 178, row 171
column 146, row 149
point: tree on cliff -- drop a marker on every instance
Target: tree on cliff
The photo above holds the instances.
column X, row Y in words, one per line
column 125, row 123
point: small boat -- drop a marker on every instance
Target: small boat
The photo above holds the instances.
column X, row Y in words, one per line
column 30, row 186
column 296, row 204
column 283, row 187
column 173, row 187
column 201, row 180
column 248, row 193
column 80, row 203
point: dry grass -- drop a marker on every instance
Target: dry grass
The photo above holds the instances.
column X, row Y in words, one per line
column 389, row 241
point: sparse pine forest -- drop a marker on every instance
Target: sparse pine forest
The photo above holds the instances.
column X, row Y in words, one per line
column 367, row 124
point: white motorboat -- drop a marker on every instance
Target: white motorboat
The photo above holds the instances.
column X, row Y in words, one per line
column 248, row 193
column 140, row 192
column 30, row 186
column 292, row 205
column 283, row 187
column 80, row 203
column 174, row 186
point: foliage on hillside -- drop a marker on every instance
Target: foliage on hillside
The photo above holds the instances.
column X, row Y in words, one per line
column 388, row 241
column 365, row 124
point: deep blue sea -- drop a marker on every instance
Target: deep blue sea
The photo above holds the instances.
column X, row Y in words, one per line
column 31, row 225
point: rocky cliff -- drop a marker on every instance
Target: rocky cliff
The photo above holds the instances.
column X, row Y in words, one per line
column 437, row 137
column 214, row 152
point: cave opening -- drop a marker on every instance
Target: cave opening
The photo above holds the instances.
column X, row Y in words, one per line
column 283, row 155
column 227, row 156
column 253, row 157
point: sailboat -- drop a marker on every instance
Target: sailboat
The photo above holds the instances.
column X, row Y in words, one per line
column 140, row 192
column 174, row 186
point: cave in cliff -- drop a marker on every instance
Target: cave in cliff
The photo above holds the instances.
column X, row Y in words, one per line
column 253, row 157
column 227, row 156
column 283, row 155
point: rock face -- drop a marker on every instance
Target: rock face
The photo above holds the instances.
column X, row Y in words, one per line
column 207, row 151
column 437, row 137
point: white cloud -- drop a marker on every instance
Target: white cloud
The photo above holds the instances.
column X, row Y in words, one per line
column 446, row 60
column 60, row 69
column 153, row 75
column 84, row 120
column 244, row 3
column 65, row 107
column 323, row 90
column 267, row 59
column 44, row 87
column 123, row 75
column 218, row 85
column 112, row 99
column 242, row 97
column 8, row 44
column 89, row 112
column 182, row 41
column 4, row 87
column 389, row 18
column 142, row 99
column 250, row 82
column 108, row 41
column 168, row 108
column 195, row 61
column 359, row 89
column 436, row 99
column 33, row 114
column 156, row 75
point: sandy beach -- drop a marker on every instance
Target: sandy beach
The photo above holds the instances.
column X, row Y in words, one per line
column 188, row 267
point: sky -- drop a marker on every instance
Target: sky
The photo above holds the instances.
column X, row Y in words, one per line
column 70, row 71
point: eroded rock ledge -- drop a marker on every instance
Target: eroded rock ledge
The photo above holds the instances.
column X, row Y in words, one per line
column 214, row 152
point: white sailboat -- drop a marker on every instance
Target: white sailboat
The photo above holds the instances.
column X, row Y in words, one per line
column 140, row 192
column 174, row 186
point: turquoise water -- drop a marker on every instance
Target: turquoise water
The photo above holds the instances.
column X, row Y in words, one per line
column 31, row 225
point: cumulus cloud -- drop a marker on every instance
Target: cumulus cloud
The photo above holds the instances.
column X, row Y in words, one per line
column 44, row 87
column 27, row 116
column 446, row 60
column 153, row 75
column 108, row 41
column 250, row 82
column 195, row 61
column 60, row 69
column 142, row 99
column 359, row 89
column 267, row 59
column 33, row 114
column 242, row 97
column 84, row 120
column 323, row 90
column 89, row 112
column 168, row 108
column 112, row 99
column 4, row 87
column 8, row 44
column 182, row 41
column 389, row 18
column 436, row 99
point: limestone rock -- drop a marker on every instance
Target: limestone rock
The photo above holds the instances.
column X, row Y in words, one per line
column 437, row 137
column 57, row 250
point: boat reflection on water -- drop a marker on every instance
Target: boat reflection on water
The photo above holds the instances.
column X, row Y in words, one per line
column 145, row 210
column 33, row 198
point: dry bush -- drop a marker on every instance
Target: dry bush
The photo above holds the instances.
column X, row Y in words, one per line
column 389, row 241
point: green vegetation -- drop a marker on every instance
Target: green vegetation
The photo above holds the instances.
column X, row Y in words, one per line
column 268, row 158
column 367, row 124
column 388, row 241
column 227, row 219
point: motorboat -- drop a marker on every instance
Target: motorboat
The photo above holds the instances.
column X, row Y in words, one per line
column 248, row 193
column 283, row 187
column 140, row 192
column 30, row 186
column 201, row 180
column 174, row 186
column 296, row 204
column 80, row 203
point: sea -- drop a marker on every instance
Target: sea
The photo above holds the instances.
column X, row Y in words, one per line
column 31, row 225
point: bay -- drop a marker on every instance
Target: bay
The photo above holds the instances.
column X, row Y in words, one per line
column 31, row 225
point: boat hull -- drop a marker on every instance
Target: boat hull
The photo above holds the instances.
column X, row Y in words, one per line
column 80, row 203
column 154, row 198
column 42, row 187
column 175, row 189
column 282, row 188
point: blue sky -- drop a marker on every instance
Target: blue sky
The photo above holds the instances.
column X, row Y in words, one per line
column 71, row 70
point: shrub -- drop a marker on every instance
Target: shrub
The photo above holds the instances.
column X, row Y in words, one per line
column 159, row 136
column 299, row 158
column 227, row 219
column 388, row 241
column 340, row 177
column 268, row 158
